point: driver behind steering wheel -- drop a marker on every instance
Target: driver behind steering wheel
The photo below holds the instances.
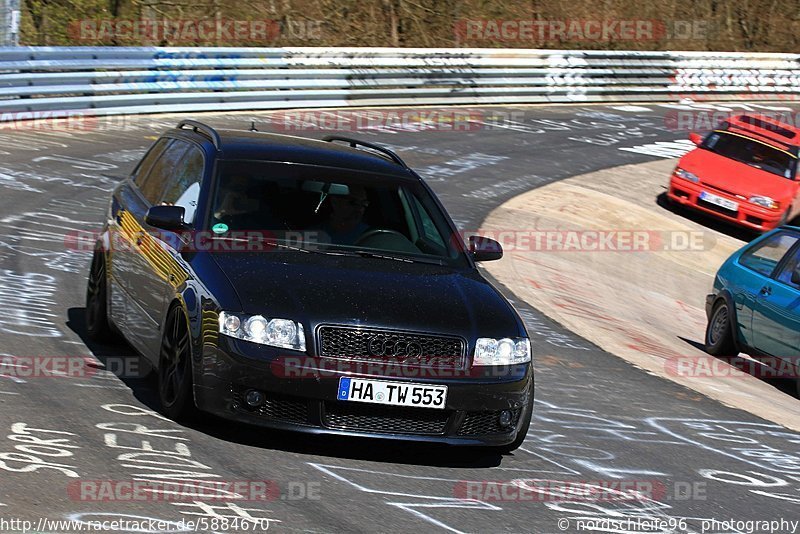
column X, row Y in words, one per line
column 345, row 224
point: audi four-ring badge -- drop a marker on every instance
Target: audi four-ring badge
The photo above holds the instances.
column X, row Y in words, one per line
column 311, row 285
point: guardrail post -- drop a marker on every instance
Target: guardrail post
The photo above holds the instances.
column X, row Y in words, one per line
column 9, row 22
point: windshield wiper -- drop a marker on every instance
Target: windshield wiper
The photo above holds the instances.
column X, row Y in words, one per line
column 270, row 242
column 384, row 256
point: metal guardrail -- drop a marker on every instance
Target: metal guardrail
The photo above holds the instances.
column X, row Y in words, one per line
column 151, row 80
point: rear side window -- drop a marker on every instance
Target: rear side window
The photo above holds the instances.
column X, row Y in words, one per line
column 765, row 256
column 785, row 275
column 155, row 183
column 147, row 162
column 183, row 184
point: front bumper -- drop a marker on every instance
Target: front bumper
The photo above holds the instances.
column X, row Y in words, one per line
column 301, row 391
column 749, row 215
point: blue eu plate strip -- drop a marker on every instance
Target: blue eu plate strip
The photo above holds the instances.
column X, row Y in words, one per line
column 344, row 388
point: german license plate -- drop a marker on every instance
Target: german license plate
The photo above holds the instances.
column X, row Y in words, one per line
column 392, row 393
column 719, row 201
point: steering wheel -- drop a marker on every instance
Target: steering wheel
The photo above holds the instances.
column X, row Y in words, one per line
column 369, row 234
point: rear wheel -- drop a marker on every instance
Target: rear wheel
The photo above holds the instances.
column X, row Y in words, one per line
column 96, row 299
column 175, row 368
column 719, row 333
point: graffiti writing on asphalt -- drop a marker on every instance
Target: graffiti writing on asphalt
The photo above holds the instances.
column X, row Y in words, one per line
column 571, row 442
column 138, row 449
column 28, row 300
column 39, row 449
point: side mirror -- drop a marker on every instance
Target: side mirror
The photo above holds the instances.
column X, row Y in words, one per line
column 166, row 217
column 796, row 276
column 696, row 138
column 484, row 248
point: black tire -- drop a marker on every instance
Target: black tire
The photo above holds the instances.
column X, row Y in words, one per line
column 175, row 368
column 97, row 323
column 719, row 332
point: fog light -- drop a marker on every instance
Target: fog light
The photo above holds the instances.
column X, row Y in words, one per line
column 254, row 398
column 505, row 418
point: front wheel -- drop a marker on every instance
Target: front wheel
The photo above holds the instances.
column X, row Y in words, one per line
column 96, row 300
column 719, row 332
column 175, row 368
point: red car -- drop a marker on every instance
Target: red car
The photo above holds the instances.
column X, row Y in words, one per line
column 744, row 172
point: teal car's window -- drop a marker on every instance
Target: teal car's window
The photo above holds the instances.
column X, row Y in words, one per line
column 785, row 275
column 764, row 257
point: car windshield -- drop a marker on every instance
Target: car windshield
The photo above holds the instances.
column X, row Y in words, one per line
column 752, row 152
column 329, row 210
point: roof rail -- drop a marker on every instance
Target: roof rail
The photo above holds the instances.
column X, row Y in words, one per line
column 198, row 126
column 356, row 143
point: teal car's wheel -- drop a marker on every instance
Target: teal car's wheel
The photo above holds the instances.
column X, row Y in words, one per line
column 175, row 368
column 96, row 291
column 719, row 333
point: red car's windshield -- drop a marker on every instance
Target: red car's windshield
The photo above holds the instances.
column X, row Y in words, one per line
column 752, row 152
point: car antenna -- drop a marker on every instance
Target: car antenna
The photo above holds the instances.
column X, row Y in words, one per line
column 253, row 126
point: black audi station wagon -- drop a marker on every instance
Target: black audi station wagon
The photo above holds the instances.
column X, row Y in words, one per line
column 311, row 285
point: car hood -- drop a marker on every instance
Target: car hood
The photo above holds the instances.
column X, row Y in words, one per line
column 318, row 288
column 738, row 178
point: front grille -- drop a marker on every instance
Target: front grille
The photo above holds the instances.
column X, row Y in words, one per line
column 384, row 419
column 368, row 344
column 483, row 423
column 275, row 407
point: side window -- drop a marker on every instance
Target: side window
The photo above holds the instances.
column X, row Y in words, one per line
column 156, row 180
column 428, row 226
column 763, row 257
column 785, row 275
column 183, row 185
column 147, row 161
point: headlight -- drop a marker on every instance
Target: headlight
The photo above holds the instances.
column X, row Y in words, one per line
column 766, row 202
column 281, row 333
column 506, row 351
column 686, row 175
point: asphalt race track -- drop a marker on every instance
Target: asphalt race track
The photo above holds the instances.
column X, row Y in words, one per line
column 598, row 421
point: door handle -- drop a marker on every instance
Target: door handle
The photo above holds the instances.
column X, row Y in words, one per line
column 765, row 291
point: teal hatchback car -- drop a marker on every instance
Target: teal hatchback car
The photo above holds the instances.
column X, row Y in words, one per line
column 754, row 306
